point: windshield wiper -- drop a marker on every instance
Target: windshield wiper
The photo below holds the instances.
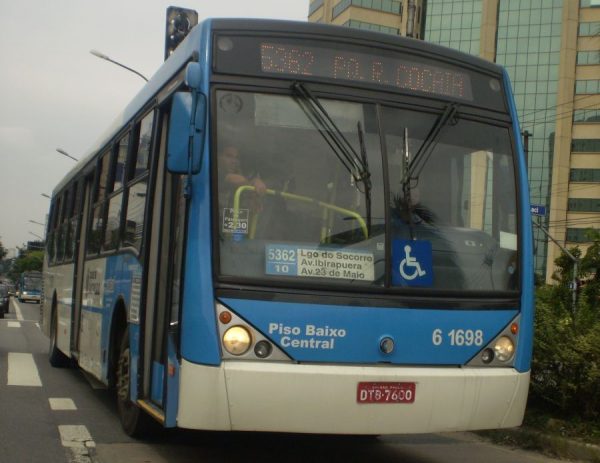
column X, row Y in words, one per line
column 356, row 165
column 416, row 164
column 367, row 179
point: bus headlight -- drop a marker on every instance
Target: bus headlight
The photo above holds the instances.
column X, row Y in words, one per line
column 504, row 348
column 237, row 340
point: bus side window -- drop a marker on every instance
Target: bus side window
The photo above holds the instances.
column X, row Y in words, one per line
column 52, row 229
column 60, row 237
column 74, row 218
column 138, row 181
column 112, row 234
column 97, row 223
column 62, row 250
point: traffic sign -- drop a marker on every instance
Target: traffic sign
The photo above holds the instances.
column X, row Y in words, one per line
column 538, row 209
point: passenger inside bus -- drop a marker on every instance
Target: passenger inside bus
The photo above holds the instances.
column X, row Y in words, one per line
column 231, row 175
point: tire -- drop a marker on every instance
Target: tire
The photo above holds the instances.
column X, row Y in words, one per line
column 135, row 422
column 56, row 358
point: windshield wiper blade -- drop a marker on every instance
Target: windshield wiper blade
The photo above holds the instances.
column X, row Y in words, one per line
column 367, row 178
column 334, row 137
column 417, row 164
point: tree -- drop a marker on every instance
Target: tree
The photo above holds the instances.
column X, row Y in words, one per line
column 566, row 354
column 27, row 261
column 590, row 269
column 2, row 251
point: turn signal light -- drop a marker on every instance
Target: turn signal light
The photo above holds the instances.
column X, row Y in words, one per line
column 225, row 317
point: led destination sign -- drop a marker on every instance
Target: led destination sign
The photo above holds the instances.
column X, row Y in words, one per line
column 402, row 73
column 423, row 69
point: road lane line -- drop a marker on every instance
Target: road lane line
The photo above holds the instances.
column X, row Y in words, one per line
column 18, row 310
column 78, row 440
column 13, row 324
column 22, row 370
column 57, row 403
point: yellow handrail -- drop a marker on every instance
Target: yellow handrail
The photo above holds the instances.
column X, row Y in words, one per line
column 304, row 199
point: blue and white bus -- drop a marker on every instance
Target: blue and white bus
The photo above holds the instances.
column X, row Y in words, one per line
column 30, row 286
column 301, row 228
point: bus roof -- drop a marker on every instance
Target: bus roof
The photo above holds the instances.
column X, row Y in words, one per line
column 191, row 45
column 373, row 39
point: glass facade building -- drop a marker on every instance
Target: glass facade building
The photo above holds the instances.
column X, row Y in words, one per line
column 454, row 23
column 528, row 45
column 396, row 17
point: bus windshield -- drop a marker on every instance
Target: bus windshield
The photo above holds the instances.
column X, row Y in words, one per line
column 293, row 208
column 32, row 283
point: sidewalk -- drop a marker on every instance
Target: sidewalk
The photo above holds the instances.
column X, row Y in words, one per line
column 550, row 444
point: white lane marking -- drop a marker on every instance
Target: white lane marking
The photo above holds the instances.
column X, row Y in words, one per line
column 13, row 324
column 22, row 370
column 38, row 325
column 57, row 403
column 78, row 440
column 18, row 310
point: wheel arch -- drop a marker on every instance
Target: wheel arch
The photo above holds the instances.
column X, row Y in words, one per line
column 118, row 326
column 53, row 310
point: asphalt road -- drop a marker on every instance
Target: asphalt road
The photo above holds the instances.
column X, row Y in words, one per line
column 55, row 415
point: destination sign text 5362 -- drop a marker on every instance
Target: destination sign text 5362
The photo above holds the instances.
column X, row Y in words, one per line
column 379, row 69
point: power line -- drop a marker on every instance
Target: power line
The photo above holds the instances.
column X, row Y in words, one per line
column 557, row 105
column 554, row 118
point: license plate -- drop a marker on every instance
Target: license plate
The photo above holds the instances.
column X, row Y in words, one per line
column 385, row 393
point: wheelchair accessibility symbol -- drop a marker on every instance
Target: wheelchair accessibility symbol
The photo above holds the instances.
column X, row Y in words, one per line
column 412, row 263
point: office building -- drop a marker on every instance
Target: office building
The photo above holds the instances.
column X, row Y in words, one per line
column 398, row 17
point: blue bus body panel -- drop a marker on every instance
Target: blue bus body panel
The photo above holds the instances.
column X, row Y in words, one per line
column 118, row 278
column 525, row 348
column 199, row 340
column 344, row 334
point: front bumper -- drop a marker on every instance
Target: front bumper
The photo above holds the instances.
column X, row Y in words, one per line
column 308, row 398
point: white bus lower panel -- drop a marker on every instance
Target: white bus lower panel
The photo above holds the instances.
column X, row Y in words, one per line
column 262, row 396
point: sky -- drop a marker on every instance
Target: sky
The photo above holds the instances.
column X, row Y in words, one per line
column 55, row 94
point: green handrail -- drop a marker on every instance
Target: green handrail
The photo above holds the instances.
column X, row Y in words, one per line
column 304, row 199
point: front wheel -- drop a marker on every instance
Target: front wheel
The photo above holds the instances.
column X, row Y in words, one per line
column 135, row 422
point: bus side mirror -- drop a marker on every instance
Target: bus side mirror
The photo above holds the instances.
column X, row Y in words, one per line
column 186, row 133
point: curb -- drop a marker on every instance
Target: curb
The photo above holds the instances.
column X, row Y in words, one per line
column 550, row 444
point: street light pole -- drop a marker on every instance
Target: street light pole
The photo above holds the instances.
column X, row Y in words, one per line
column 575, row 265
column 37, row 236
column 64, row 153
column 100, row 55
column 46, row 196
column 37, row 223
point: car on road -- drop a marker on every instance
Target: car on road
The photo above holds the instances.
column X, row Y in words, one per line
column 4, row 300
column 12, row 291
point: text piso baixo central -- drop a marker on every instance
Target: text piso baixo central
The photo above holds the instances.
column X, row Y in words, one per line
column 317, row 337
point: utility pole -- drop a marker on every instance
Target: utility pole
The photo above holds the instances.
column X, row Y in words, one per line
column 575, row 266
column 526, row 134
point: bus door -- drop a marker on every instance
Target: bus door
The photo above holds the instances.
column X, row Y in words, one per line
column 161, row 324
column 80, row 246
